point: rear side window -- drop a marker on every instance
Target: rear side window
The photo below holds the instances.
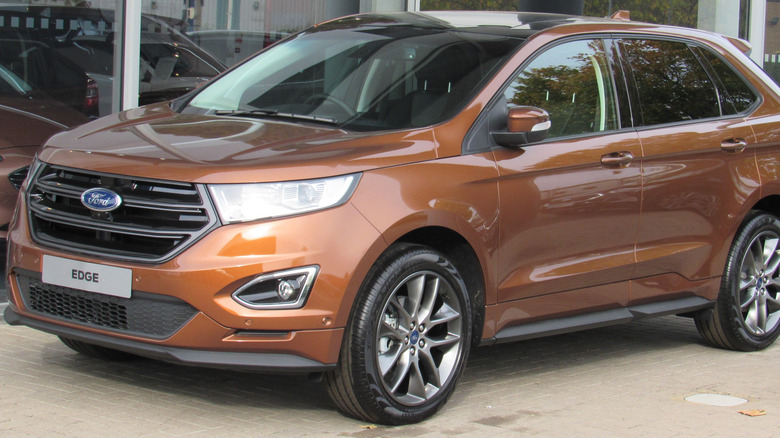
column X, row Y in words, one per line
column 735, row 96
column 671, row 84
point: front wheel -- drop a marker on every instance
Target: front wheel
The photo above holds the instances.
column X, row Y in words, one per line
column 407, row 341
column 746, row 316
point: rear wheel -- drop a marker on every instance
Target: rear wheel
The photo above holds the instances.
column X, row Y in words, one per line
column 408, row 339
column 96, row 351
column 746, row 316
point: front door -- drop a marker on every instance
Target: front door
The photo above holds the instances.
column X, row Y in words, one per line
column 570, row 204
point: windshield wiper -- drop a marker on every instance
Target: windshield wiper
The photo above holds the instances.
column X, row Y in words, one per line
column 259, row 112
column 276, row 113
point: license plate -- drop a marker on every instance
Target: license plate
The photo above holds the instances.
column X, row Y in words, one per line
column 92, row 277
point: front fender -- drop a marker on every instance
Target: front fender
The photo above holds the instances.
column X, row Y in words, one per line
column 457, row 193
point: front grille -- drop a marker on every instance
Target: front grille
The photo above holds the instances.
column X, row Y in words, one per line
column 157, row 219
column 146, row 315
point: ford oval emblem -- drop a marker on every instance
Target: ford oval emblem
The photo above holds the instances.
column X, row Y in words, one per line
column 100, row 199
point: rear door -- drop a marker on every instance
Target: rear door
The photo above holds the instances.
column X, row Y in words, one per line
column 698, row 164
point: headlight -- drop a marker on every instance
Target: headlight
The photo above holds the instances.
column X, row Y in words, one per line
column 250, row 202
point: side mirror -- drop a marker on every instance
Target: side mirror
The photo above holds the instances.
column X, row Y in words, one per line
column 524, row 124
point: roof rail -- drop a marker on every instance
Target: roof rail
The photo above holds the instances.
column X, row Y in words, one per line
column 743, row 46
column 621, row 15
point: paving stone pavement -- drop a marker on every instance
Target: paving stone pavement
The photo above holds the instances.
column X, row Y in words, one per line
column 621, row 381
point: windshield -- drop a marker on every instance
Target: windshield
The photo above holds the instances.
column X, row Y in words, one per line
column 360, row 75
column 11, row 84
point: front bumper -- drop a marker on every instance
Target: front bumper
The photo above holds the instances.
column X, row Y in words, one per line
column 220, row 332
column 261, row 362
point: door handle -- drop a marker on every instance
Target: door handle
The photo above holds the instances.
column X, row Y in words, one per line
column 617, row 159
column 733, row 145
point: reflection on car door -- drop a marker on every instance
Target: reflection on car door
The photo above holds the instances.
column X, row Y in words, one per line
column 570, row 205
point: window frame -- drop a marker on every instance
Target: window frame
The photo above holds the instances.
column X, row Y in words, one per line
column 633, row 92
column 719, row 81
column 481, row 128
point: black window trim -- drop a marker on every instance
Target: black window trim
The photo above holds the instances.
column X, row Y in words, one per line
column 623, row 84
column 626, row 111
column 719, row 81
column 481, row 123
column 633, row 92
column 720, row 90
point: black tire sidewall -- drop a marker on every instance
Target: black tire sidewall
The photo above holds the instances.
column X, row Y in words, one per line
column 729, row 299
column 390, row 272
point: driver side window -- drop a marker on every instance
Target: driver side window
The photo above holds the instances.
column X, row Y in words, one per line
column 573, row 83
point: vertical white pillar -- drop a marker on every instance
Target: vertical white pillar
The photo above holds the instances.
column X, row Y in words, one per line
column 119, row 60
column 757, row 30
column 383, row 5
column 131, row 53
column 721, row 16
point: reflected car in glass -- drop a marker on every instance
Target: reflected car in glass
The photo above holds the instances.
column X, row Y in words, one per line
column 82, row 38
column 372, row 197
column 27, row 118
column 233, row 46
column 31, row 56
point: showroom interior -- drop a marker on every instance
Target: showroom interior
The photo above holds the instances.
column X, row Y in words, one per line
column 138, row 52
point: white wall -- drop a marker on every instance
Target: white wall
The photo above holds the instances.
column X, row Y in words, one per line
column 721, row 16
column 382, row 5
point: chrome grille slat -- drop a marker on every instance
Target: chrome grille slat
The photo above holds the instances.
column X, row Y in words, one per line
column 75, row 193
column 156, row 220
column 138, row 203
column 75, row 221
column 78, row 182
column 61, row 190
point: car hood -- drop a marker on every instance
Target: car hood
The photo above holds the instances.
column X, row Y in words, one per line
column 43, row 109
column 156, row 142
column 29, row 121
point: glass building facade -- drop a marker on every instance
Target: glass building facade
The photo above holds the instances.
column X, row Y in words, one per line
column 102, row 56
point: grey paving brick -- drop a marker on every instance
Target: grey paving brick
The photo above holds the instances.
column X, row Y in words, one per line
column 619, row 381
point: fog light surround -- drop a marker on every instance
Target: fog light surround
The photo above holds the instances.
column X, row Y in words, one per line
column 286, row 289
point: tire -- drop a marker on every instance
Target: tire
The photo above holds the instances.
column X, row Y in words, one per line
column 97, row 351
column 746, row 316
column 407, row 341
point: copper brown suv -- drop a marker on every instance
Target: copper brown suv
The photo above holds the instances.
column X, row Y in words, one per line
column 372, row 197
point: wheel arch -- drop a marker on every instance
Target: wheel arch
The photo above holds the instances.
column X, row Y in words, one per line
column 465, row 259
column 769, row 204
column 737, row 217
column 356, row 384
column 726, row 325
column 445, row 240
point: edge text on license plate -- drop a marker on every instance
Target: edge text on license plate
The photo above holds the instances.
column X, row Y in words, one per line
column 91, row 277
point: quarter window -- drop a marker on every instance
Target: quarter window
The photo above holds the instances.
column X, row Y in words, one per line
column 736, row 96
column 671, row 83
column 573, row 83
